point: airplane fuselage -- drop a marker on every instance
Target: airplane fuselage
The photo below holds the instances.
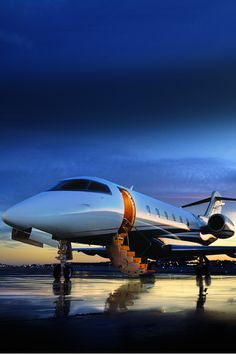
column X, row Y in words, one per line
column 91, row 210
column 76, row 214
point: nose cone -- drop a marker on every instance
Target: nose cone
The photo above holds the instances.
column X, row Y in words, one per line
column 26, row 214
column 14, row 217
column 51, row 212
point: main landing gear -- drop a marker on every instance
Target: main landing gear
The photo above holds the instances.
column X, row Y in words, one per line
column 202, row 267
column 63, row 269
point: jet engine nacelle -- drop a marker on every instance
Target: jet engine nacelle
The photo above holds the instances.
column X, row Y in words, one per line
column 220, row 226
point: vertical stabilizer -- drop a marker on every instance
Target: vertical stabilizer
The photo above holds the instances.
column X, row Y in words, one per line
column 215, row 205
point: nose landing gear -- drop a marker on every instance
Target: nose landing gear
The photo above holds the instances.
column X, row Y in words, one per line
column 63, row 269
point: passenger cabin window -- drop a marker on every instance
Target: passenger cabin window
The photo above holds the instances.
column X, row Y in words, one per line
column 158, row 212
column 173, row 216
column 187, row 222
column 82, row 185
column 180, row 218
column 148, row 209
column 166, row 215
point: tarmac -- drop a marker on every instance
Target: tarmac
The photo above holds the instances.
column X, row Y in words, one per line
column 165, row 313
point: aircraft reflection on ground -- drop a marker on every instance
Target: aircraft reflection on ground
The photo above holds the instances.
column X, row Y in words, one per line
column 202, row 283
column 63, row 290
column 124, row 296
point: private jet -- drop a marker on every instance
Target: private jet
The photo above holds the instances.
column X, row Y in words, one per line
column 132, row 229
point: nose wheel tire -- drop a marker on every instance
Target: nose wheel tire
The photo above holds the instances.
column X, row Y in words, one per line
column 67, row 272
column 57, row 272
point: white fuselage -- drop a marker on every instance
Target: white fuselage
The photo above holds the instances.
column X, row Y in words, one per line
column 77, row 214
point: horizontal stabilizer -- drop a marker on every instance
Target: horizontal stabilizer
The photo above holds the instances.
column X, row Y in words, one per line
column 199, row 202
column 207, row 200
column 215, row 204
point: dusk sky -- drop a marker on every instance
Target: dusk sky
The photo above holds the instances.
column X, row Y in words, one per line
column 141, row 93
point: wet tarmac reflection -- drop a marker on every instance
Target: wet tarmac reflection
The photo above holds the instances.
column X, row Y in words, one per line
column 162, row 313
column 62, row 302
column 41, row 297
column 202, row 282
column 124, row 297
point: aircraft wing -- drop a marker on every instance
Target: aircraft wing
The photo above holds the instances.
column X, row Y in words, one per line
column 182, row 250
column 171, row 251
column 92, row 251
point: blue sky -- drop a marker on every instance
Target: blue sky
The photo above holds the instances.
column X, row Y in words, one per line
column 138, row 92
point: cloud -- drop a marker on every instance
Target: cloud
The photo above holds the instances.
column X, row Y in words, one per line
column 5, row 238
column 25, row 172
column 5, row 235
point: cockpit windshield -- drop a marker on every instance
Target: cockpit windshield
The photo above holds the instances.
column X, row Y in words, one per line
column 82, row 185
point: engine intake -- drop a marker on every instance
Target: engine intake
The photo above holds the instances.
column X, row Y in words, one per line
column 220, row 226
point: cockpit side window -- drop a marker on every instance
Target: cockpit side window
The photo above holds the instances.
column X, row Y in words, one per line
column 82, row 185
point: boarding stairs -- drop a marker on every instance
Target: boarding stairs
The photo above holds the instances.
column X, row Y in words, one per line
column 125, row 259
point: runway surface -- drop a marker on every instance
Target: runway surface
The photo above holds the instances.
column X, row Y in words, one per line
column 164, row 313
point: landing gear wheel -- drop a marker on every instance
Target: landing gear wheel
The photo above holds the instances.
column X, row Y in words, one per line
column 151, row 265
column 64, row 253
column 67, row 272
column 57, row 272
column 202, row 267
column 206, row 265
column 151, row 270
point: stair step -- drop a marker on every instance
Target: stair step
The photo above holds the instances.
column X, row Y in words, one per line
column 118, row 242
column 123, row 254
column 123, row 235
column 151, row 271
column 124, row 248
column 132, row 267
column 143, row 266
column 137, row 260
column 131, row 254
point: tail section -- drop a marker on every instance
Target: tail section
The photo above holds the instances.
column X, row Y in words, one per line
column 215, row 205
column 213, row 221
